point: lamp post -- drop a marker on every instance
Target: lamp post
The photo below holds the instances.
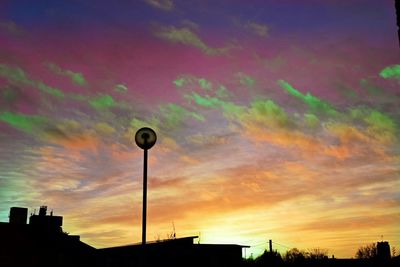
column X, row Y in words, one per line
column 145, row 138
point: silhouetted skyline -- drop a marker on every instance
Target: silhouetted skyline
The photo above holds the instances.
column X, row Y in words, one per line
column 43, row 242
column 275, row 119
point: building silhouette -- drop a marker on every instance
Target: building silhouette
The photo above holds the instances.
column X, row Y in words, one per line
column 173, row 252
column 42, row 242
column 383, row 251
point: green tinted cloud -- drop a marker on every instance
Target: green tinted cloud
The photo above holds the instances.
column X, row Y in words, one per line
column 17, row 75
column 266, row 112
column 180, row 82
column 76, row 77
column 50, row 90
column 313, row 102
column 121, row 88
column 391, row 72
column 102, row 102
column 381, row 124
column 246, row 80
column 23, row 122
column 206, row 85
column 230, row 110
column 173, row 115
column 311, row 120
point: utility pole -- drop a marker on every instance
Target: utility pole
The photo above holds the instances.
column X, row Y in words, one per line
column 270, row 246
column 397, row 5
column 144, row 211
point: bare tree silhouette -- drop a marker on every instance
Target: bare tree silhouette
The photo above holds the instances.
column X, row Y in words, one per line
column 367, row 252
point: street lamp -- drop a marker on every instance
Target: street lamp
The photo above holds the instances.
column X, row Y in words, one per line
column 145, row 138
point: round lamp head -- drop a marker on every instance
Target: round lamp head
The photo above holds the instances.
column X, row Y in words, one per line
column 145, row 138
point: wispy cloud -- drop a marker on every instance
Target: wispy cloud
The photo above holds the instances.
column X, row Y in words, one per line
column 11, row 27
column 166, row 5
column 186, row 36
column 16, row 75
column 76, row 78
column 259, row 29
column 190, row 24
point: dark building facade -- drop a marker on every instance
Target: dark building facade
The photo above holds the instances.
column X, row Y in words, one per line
column 18, row 215
column 47, row 223
column 41, row 242
column 173, row 252
column 383, row 251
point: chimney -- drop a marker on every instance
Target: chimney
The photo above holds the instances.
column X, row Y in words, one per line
column 43, row 211
column 383, row 251
column 18, row 215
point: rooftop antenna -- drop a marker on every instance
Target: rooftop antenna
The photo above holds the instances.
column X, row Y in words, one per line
column 145, row 138
column 173, row 227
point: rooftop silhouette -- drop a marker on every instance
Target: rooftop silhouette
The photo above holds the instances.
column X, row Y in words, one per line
column 42, row 242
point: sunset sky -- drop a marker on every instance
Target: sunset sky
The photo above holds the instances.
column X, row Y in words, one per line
column 276, row 119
